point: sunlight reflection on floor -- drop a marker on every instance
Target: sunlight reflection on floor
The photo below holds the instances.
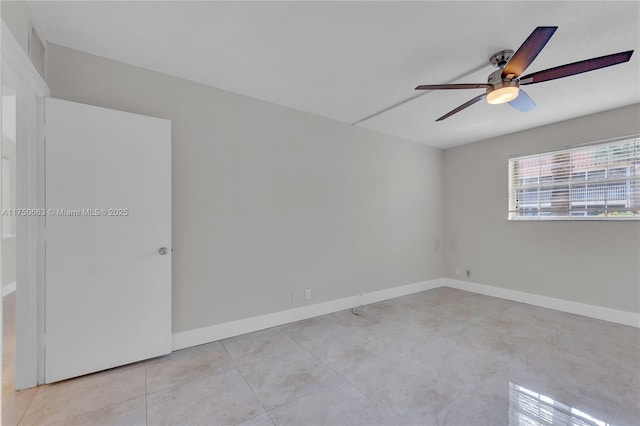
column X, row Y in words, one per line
column 529, row 408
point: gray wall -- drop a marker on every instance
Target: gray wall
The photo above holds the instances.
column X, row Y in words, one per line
column 269, row 200
column 16, row 15
column 593, row 262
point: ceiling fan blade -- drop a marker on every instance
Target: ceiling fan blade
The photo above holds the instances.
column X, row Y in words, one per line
column 463, row 106
column 523, row 102
column 453, row 86
column 576, row 68
column 528, row 51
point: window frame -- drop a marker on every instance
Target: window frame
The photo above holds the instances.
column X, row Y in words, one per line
column 512, row 214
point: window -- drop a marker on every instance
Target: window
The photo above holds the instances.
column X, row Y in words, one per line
column 598, row 181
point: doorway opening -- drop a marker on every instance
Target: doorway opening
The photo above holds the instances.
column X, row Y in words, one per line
column 8, row 232
column 12, row 401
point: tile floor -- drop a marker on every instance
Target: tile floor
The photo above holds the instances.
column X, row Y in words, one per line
column 440, row 357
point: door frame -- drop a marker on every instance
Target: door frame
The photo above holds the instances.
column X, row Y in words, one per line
column 31, row 89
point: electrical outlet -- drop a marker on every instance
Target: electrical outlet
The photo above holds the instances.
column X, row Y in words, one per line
column 293, row 297
column 468, row 273
column 307, row 294
column 458, row 271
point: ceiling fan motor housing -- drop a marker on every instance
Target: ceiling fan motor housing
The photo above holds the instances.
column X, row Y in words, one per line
column 501, row 90
column 495, row 79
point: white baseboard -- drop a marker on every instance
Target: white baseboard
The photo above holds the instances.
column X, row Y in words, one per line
column 598, row 312
column 212, row 333
column 186, row 339
column 8, row 289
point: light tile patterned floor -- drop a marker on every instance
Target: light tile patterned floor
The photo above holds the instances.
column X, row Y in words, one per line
column 440, row 357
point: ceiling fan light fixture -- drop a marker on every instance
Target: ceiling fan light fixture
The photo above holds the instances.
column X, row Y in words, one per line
column 502, row 95
column 503, row 85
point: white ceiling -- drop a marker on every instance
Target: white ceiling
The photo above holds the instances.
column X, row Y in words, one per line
column 348, row 60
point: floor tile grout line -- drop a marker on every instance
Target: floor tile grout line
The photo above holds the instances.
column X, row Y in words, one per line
column 374, row 403
column 273, row 421
column 533, row 353
column 297, row 397
column 27, row 408
column 619, row 406
column 316, row 357
column 95, row 410
column 204, row 376
column 371, row 339
column 548, row 337
column 199, row 377
column 246, row 381
column 42, row 388
column 255, row 417
column 320, row 360
column 302, row 396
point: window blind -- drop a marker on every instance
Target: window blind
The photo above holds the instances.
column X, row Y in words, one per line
column 600, row 181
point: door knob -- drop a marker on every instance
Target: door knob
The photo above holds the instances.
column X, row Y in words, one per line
column 163, row 251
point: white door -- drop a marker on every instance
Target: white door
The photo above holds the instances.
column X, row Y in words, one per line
column 108, row 238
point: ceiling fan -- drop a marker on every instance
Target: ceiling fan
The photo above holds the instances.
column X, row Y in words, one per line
column 504, row 84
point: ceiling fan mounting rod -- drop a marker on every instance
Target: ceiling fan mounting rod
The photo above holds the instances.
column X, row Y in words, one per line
column 500, row 59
